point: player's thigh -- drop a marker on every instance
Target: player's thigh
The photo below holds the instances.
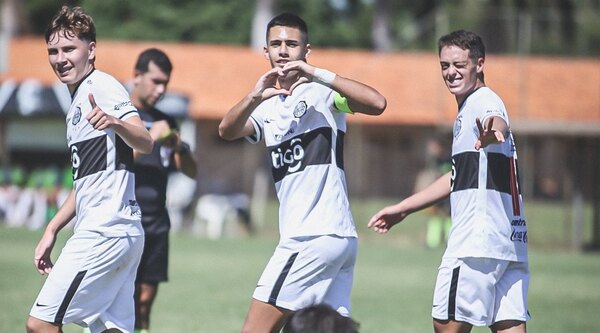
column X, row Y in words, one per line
column 58, row 301
column 301, row 270
column 121, row 312
column 338, row 294
column 89, row 275
column 465, row 290
column 511, row 293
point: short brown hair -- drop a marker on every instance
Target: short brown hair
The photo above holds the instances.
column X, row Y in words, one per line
column 72, row 22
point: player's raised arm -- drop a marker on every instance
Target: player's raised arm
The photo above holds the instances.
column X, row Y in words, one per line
column 235, row 123
column 361, row 97
column 389, row 216
column 493, row 132
column 131, row 130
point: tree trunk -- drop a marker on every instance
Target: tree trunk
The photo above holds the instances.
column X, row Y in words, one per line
column 262, row 15
column 380, row 32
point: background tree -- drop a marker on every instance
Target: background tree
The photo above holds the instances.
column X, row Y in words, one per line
column 566, row 27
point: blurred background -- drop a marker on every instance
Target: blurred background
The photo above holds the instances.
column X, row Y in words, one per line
column 543, row 59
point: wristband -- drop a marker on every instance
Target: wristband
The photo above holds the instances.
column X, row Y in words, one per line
column 323, row 76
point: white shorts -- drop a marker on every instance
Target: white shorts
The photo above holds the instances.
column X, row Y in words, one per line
column 481, row 291
column 310, row 270
column 92, row 283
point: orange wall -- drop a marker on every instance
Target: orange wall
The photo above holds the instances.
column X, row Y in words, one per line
column 561, row 90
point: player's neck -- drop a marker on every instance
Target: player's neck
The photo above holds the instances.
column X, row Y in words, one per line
column 287, row 82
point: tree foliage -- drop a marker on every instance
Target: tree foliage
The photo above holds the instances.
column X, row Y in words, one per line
column 508, row 26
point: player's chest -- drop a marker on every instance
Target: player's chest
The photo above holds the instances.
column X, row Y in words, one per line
column 291, row 118
column 78, row 127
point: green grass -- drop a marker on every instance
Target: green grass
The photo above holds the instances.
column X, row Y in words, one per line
column 211, row 281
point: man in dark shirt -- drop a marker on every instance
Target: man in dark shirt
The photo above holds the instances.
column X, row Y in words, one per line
column 170, row 153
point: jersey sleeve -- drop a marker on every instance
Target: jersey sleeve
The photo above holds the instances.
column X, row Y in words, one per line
column 256, row 118
column 492, row 107
column 112, row 98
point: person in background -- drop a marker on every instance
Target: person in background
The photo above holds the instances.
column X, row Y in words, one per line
column 93, row 280
column 152, row 73
column 437, row 163
column 483, row 278
column 319, row 318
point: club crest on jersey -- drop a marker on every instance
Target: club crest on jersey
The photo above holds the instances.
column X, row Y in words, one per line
column 76, row 116
column 300, row 109
column 457, row 125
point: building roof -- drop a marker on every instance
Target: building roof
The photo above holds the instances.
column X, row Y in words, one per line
column 541, row 93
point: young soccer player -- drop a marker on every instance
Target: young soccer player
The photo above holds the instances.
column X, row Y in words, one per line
column 92, row 282
column 484, row 276
column 300, row 112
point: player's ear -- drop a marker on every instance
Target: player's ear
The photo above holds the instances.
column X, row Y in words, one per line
column 308, row 49
column 266, row 53
column 137, row 75
column 480, row 62
column 92, row 51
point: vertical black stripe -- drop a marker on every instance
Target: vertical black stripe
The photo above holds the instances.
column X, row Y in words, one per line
column 60, row 315
column 281, row 278
column 514, row 187
column 339, row 149
column 452, row 294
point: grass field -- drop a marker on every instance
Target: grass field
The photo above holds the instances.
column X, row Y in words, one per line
column 211, row 281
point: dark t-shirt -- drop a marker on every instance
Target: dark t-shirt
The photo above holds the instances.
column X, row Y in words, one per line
column 151, row 175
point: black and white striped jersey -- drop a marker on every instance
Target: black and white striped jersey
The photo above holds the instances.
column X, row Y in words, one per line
column 102, row 161
column 487, row 207
column 304, row 135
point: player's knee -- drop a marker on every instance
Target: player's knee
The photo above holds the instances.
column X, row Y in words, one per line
column 35, row 325
column 31, row 326
column 514, row 326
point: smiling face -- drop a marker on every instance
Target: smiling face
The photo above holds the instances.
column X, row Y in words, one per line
column 461, row 74
column 71, row 58
column 285, row 44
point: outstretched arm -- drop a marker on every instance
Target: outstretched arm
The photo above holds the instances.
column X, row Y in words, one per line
column 236, row 123
column 361, row 97
column 494, row 131
column 132, row 130
column 389, row 216
column 41, row 257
